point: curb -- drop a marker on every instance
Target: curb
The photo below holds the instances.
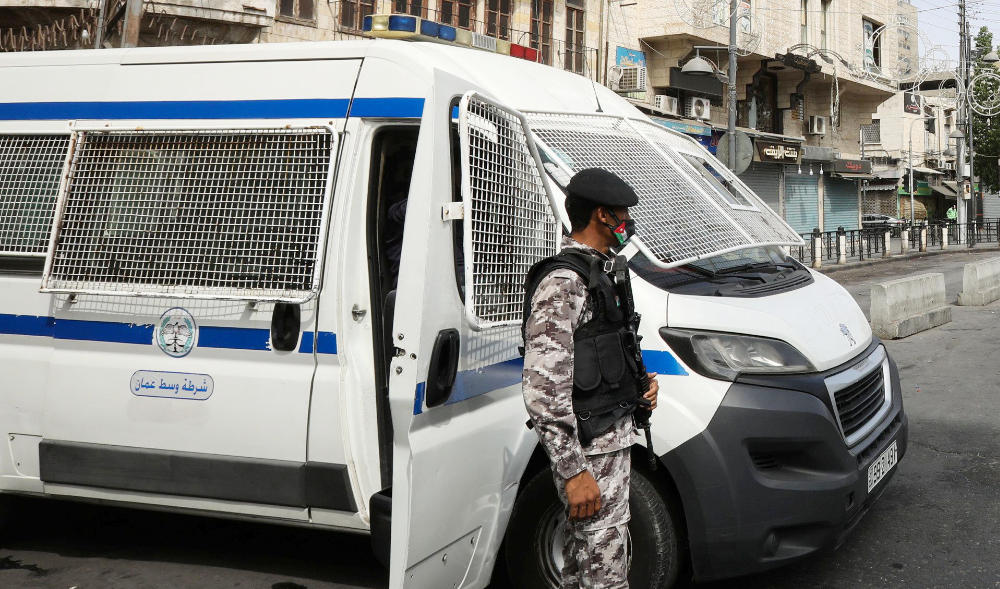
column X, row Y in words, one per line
column 833, row 269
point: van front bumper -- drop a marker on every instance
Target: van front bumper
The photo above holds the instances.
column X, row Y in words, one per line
column 771, row 479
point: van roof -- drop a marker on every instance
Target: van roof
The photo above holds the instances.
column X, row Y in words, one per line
column 518, row 83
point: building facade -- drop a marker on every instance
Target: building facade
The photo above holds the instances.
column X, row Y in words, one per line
column 810, row 75
column 565, row 32
column 911, row 131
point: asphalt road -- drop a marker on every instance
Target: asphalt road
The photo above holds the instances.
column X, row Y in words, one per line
column 936, row 525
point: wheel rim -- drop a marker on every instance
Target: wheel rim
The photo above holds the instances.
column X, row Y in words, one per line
column 551, row 542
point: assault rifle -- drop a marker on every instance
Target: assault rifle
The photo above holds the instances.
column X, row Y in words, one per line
column 618, row 268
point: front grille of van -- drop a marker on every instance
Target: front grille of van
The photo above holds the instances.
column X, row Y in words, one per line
column 860, row 396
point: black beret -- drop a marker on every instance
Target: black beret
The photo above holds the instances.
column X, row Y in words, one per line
column 601, row 187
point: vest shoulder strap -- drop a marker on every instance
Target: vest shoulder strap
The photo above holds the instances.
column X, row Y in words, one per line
column 585, row 265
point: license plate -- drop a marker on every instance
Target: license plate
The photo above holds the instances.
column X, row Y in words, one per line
column 882, row 465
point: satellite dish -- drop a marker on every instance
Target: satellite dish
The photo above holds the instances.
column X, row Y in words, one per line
column 744, row 152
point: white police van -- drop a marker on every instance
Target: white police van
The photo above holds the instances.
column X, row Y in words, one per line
column 210, row 305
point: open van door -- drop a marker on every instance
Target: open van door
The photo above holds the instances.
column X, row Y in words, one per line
column 460, row 443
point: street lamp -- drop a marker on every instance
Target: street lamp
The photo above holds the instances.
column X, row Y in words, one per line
column 698, row 66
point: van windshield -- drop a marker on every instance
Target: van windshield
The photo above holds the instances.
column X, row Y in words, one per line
column 689, row 209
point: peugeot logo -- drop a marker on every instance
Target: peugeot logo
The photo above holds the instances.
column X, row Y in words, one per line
column 847, row 333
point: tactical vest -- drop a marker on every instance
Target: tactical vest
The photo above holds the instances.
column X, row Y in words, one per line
column 604, row 375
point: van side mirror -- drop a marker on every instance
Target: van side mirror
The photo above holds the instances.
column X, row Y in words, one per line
column 286, row 322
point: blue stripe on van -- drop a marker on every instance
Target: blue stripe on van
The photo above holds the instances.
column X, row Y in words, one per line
column 472, row 383
column 295, row 108
column 326, row 343
column 73, row 329
column 233, row 338
column 102, row 331
column 177, row 109
column 407, row 108
column 662, row 362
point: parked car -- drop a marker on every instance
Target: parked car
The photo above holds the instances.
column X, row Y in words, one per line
column 872, row 220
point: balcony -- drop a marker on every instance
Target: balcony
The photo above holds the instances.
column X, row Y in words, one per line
column 872, row 134
column 40, row 25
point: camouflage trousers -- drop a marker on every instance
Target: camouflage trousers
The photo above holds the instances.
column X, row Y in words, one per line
column 596, row 553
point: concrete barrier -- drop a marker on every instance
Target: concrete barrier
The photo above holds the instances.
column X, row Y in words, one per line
column 980, row 283
column 906, row 306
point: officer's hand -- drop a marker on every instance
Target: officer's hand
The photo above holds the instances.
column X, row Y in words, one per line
column 584, row 495
column 654, row 387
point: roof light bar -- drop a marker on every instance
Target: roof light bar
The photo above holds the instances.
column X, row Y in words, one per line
column 404, row 26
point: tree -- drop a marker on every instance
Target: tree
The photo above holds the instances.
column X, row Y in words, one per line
column 985, row 130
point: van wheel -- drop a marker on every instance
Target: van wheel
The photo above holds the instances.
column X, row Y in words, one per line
column 534, row 541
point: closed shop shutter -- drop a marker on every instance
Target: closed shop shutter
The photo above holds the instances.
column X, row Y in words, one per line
column 991, row 206
column 801, row 201
column 840, row 204
column 765, row 181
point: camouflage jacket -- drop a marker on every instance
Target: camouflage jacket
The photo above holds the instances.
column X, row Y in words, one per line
column 559, row 305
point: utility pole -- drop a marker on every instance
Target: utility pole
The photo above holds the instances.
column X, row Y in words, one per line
column 969, row 119
column 731, row 126
column 101, row 17
column 133, row 22
column 967, row 211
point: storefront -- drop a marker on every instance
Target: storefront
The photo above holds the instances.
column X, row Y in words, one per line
column 842, row 193
column 802, row 197
column 879, row 195
column 764, row 176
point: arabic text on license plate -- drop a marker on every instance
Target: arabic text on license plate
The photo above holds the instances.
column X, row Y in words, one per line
column 882, row 465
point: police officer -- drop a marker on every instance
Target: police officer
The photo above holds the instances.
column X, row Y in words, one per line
column 581, row 407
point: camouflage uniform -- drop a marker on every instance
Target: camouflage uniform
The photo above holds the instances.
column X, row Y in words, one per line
column 595, row 552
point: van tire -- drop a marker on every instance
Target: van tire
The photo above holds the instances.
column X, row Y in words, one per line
column 653, row 531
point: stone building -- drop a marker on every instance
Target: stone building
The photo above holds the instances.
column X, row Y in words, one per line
column 566, row 33
column 810, row 74
column 921, row 117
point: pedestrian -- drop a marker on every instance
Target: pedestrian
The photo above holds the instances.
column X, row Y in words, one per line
column 952, row 214
column 581, row 407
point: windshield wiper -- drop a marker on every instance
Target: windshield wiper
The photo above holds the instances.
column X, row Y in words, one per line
column 700, row 270
column 758, row 265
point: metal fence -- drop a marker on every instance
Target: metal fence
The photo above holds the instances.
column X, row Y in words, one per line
column 861, row 244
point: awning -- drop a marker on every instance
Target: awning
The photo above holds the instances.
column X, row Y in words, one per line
column 689, row 128
column 851, row 176
column 951, row 184
column 763, row 134
column 872, row 186
column 922, row 170
column 944, row 191
column 890, row 173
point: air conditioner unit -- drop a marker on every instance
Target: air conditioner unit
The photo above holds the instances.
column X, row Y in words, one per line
column 948, row 166
column 630, row 79
column 817, row 125
column 698, row 107
column 668, row 104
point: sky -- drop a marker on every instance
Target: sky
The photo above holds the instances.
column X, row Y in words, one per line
column 938, row 20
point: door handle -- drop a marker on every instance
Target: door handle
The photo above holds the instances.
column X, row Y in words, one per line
column 358, row 313
column 443, row 367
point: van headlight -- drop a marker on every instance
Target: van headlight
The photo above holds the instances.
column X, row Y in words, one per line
column 726, row 355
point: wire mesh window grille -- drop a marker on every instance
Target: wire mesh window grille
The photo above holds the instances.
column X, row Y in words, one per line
column 680, row 217
column 230, row 214
column 30, row 170
column 509, row 224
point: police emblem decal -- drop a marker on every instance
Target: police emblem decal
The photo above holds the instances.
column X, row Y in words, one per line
column 176, row 332
column 847, row 333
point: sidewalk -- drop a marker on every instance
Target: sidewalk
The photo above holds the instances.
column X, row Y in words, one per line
column 831, row 267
